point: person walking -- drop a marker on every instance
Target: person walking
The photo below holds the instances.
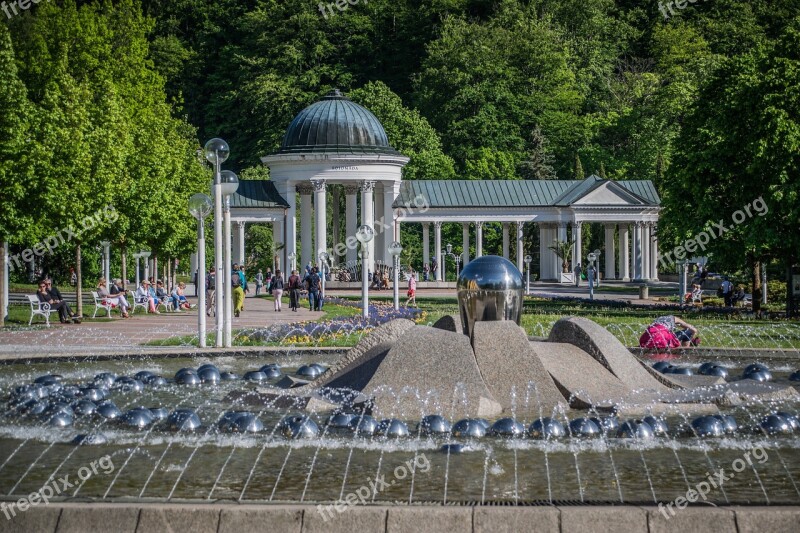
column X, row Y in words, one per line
column 425, row 271
column 259, row 281
column 211, row 290
column 277, row 289
column 727, row 292
column 412, row 290
column 313, row 283
column 294, row 290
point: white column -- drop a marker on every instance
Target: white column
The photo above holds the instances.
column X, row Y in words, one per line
column 437, row 240
column 4, row 296
column 287, row 190
column 544, row 265
column 637, row 251
column 645, row 250
column 277, row 237
column 368, row 218
column 654, row 252
column 478, row 239
column 560, row 232
column 624, row 258
column 426, row 243
column 320, row 218
column 577, row 236
column 240, row 256
column 381, row 238
column 505, row 240
column 306, row 241
column 351, row 215
column 520, row 251
column 391, row 190
column 609, row 252
column 465, row 242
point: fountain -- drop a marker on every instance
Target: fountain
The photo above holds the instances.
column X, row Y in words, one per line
column 470, row 410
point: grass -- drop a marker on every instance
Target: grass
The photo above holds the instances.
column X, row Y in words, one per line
column 18, row 315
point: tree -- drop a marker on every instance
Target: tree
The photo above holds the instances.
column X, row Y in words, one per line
column 563, row 249
column 577, row 172
column 539, row 163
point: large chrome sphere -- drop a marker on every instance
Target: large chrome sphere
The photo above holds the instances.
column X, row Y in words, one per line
column 729, row 424
column 247, row 423
column 90, row 439
column 508, row 428
column 469, row 427
column 795, row 376
column 661, row 366
column 546, row 428
column 659, row 425
column 635, row 429
column 775, row 425
column 94, row 394
column 105, row 379
column 761, row 376
column 128, row 384
column 434, row 425
column 299, row 427
column 340, row 420
column 583, row 427
column 708, row 426
column 606, row 423
column 255, row 375
column 489, row 288
column 60, row 420
column 392, row 428
column 308, row 371
column 272, row 371
column 209, row 374
column 793, row 420
column 183, row 420
column 84, row 407
column 143, row 375
column 229, row 376
column 159, row 413
column 108, row 410
column 48, row 379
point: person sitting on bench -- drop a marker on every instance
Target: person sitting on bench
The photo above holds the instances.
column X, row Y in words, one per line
column 64, row 312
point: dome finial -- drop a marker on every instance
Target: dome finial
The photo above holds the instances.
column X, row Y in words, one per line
column 335, row 93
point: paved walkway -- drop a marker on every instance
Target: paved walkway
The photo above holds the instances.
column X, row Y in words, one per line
column 137, row 330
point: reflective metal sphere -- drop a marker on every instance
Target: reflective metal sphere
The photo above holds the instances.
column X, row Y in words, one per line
column 453, row 448
column 795, row 376
column 340, row 420
column 184, row 370
column 318, row 367
column 106, row 379
column 364, row 425
column 606, row 423
column 128, row 384
column 69, row 391
column 189, row 377
column 35, row 407
column 272, row 371
column 58, row 407
column 60, row 419
column 207, row 365
column 718, row 371
column 708, row 426
column 762, row 376
column 635, row 429
column 755, row 367
column 489, row 288
column 138, row 417
column 392, row 428
column 299, row 427
column 775, row 425
column 793, row 420
column 94, row 394
column 658, row 425
column 49, row 379
column 209, row 374
column 255, row 375
column 183, row 420
column 434, row 425
column 661, row 366
column 108, row 410
column 156, row 381
column 508, row 428
column 682, row 370
column 84, row 407
column 247, row 423
column 308, row 371
column 143, row 375
column 547, row 428
column 469, row 428
column 90, row 439
column 583, row 427
column 705, row 367
column 729, row 424
column 159, row 413
column 229, row 376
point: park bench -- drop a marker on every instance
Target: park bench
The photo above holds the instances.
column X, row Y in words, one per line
column 39, row 308
column 101, row 303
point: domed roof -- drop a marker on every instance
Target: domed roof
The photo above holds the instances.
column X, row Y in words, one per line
column 335, row 125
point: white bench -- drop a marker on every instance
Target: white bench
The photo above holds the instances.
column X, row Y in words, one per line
column 101, row 303
column 39, row 308
column 140, row 302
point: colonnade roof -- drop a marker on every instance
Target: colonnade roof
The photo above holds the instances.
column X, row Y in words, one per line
column 258, row 194
column 592, row 191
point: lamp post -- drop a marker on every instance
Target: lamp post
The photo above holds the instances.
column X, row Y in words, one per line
column 456, row 260
column 292, row 261
column 592, row 257
column 683, row 267
column 216, row 152
column 395, row 249
column 323, row 258
column 229, row 183
column 764, row 283
column 364, row 235
column 146, row 256
column 528, row 260
column 597, row 268
column 106, row 259
column 200, row 207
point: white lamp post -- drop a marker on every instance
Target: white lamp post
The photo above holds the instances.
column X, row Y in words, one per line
column 365, row 234
column 200, row 207
column 591, row 257
column 323, row 257
column 146, row 256
column 395, row 249
column 292, row 261
column 216, row 152
column 106, row 260
column 528, row 260
column 229, row 183
column 597, row 268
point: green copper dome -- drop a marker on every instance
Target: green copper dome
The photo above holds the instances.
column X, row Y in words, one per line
column 335, row 125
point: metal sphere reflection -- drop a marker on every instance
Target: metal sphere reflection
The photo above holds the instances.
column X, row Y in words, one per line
column 489, row 288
